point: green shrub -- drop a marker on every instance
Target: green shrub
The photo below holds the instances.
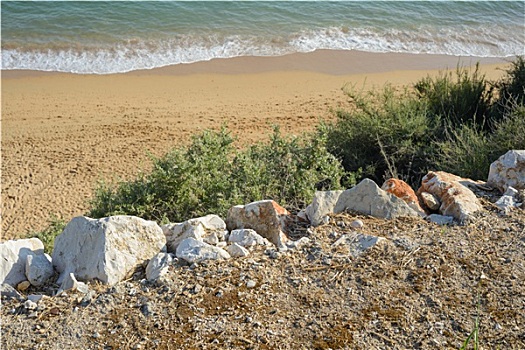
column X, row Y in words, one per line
column 48, row 235
column 386, row 136
column 463, row 100
column 210, row 176
column 511, row 90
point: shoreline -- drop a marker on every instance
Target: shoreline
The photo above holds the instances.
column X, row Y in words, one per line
column 63, row 132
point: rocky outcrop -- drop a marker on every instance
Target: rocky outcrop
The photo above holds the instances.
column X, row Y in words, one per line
column 402, row 190
column 508, row 171
column 367, row 198
column 266, row 217
column 106, row 249
column 209, row 228
column 194, row 251
column 13, row 259
column 456, row 199
column 323, row 204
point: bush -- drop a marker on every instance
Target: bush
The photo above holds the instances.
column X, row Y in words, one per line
column 463, row 100
column 386, row 136
column 511, row 90
column 210, row 176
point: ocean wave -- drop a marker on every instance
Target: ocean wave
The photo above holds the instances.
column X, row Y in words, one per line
column 137, row 54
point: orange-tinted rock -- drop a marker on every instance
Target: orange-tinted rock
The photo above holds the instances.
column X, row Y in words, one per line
column 402, row 190
column 266, row 217
column 456, row 199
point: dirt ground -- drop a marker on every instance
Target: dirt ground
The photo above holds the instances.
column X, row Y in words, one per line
column 424, row 287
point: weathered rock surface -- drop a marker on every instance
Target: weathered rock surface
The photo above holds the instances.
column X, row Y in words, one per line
column 430, row 201
column 193, row 251
column 357, row 243
column 508, row 170
column 440, row 219
column 9, row 291
column 367, row 198
column 107, row 249
column 457, row 200
column 509, row 200
column 402, row 190
column 237, row 251
column 266, row 217
column 13, row 259
column 70, row 283
column 158, row 266
column 209, row 228
column 322, row 205
column 247, row 238
column 39, row 269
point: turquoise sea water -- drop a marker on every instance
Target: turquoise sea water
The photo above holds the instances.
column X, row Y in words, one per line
column 107, row 37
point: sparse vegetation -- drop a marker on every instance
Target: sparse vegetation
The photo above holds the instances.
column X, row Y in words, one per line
column 48, row 235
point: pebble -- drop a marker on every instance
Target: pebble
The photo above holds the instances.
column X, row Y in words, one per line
column 251, row 284
column 96, row 335
column 357, row 224
column 30, row 305
column 23, row 286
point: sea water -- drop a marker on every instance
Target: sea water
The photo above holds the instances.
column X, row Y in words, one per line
column 108, row 36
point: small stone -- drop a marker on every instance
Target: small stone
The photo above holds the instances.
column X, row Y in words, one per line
column 237, row 251
column 431, row 202
column 440, row 219
column 357, row 224
column 30, row 305
column 35, row 297
column 146, row 309
column 96, row 335
column 22, row 286
column 250, row 284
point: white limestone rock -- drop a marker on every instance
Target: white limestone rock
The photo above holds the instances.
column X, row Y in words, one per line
column 301, row 242
column 158, row 266
column 431, row 202
column 323, row 204
column 237, row 251
column 508, row 171
column 508, row 201
column 193, row 251
column 367, row 198
column 70, row 283
column 107, row 249
column 13, row 259
column 210, row 229
column 357, row 243
column 440, row 219
column 247, row 238
column 39, row 269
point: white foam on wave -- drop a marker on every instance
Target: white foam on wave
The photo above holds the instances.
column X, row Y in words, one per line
column 137, row 55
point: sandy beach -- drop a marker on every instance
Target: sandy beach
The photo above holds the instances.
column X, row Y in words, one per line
column 62, row 133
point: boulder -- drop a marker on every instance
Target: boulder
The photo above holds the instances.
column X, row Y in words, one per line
column 322, row 205
column 108, row 249
column 209, row 228
column 367, row 198
column 237, row 251
column 266, row 217
column 193, row 251
column 357, row 243
column 247, row 238
column 13, row 261
column 402, row 190
column 508, row 171
column 39, row 269
column 457, row 200
column 158, row 266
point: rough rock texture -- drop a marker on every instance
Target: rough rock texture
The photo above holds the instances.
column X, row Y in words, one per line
column 508, row 170
column 209, row 228
column 70, row 283
column 456, row 199
column 357, row 243
column 367, row 198
column 322, row 205
column 158, row 266
column 266, row 217
column 237, row 251
column 247, row 238
column 509, row 200
column 401, row 189
column 430, row 201
column 13, row 256
column 440, row 219
column 8, row 291
column 107, row 249
column 193, row 251
column 39, row 269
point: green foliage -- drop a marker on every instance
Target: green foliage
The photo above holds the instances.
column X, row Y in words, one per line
column 387, row 135
column 511, row 89
column 210, row 176
column 48, row 235
column 463, row 99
